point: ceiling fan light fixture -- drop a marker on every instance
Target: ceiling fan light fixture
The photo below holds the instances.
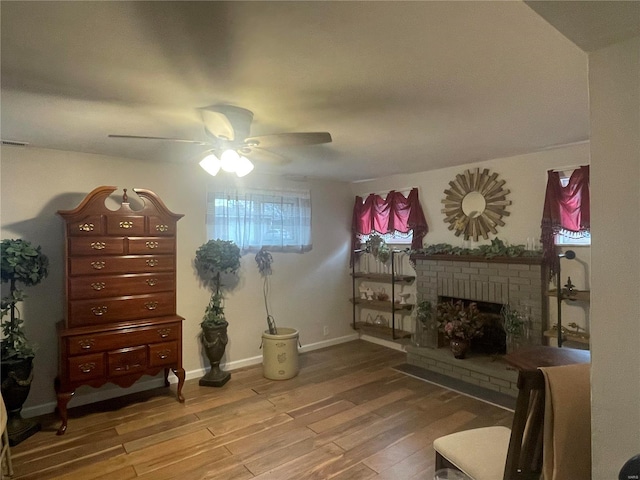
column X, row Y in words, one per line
column 243, row 167
column 211, row 164
column 229, row 160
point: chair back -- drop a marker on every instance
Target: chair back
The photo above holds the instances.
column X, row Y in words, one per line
column 524, row 456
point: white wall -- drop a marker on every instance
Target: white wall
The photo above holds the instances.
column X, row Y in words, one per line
column 308, row 291
column 614, row 90
column 526, row 178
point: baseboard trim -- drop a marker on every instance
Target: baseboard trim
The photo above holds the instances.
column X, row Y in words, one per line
column 158, row 381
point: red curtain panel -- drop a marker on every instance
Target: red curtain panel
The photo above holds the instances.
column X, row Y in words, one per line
column 395, row 213
column 566, row 211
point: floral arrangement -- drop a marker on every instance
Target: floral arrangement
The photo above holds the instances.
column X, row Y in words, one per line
column 458, row 321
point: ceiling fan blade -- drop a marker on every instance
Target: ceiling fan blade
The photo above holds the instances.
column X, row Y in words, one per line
column 265, row 156
column 217, row 125
column 227, row 121
column 289, row 139
column 169, row 139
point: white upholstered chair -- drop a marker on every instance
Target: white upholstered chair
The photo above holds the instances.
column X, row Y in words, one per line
column 5, row 453
column 557, row 398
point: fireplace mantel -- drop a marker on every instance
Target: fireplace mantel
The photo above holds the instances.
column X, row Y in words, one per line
column 537, row 260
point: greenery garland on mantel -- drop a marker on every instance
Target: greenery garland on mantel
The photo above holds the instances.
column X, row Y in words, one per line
column 497, row 248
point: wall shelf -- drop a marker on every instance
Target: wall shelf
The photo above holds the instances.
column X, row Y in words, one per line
column 568, row 336
column 576, row 296
column 386, row 306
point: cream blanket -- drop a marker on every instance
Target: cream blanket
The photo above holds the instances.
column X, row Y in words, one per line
column 567, row 423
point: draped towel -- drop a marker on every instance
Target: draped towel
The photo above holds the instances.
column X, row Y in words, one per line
column 567, row 422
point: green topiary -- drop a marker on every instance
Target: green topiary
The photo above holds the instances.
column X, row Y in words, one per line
column 213, row 259
column 20, row 263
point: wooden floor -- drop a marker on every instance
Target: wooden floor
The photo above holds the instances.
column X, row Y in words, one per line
column 347, row 415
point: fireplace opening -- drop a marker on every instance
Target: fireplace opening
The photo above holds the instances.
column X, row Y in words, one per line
column 493, row 340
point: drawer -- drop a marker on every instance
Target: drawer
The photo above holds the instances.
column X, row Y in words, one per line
column 113, row 285
column 148, row 245
column 126, row 361
column 163, row 354
column 109, row 310
column 96, row 245
column 87, row 226
column 124, row 264
column 99, row 342
column 125, row 225
column 161, row 226
column 86, row 367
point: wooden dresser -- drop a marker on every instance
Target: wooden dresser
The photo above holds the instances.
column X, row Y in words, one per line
column 120, row 317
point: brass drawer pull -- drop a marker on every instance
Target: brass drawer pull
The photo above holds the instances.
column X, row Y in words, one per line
column 99, row 311
column 163, row 354
column 87, row 367
column 152, row 282
column 86, row 227
column 98, row 245
column 162, row 228
column 126, row 225
column 98, row 265
column 164, row 332
column 153, row 262
column 86, row 343
column 151, row 305
column 127, row 367
column 97, row 286
column 151, row 245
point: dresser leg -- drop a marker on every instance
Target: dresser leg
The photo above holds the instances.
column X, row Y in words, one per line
column 166, row 377
column 179, row 372
column 63, row 401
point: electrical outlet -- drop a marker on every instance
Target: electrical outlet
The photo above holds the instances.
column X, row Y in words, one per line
column 325, row 330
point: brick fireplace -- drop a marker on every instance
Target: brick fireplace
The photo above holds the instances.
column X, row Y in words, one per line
column 520, row 282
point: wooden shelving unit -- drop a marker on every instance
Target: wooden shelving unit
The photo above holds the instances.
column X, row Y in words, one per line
column 381, row 305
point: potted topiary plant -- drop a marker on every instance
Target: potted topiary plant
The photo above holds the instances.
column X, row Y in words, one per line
column 213, row 259
column 21, row 263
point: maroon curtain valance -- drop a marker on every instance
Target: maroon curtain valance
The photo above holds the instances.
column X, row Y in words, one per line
column 393, row 214
column 566, row 211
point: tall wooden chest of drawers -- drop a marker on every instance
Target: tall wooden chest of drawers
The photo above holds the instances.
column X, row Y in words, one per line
column 120, row 317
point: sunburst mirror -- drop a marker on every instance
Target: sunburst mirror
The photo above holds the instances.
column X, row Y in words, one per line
column 475, row 204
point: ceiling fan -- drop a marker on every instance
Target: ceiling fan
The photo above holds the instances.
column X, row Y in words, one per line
column 232, row 147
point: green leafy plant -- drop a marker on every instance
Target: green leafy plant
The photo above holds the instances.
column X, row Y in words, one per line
column 214, row 258
column 459, row 321
column 378, row 247
column 264, row 260
column 513, row 322
column 497, row 248
column 424, row 312
column 23, row 263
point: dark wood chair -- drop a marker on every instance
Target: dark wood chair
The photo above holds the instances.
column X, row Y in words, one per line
column 492, row 453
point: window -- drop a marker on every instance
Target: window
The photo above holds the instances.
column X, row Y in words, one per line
column 566, row 237
column 275, row 219
column 397, row 218
column 566, row 212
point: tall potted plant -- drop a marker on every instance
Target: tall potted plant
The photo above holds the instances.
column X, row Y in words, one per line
column 21, row 263
column 213, row 259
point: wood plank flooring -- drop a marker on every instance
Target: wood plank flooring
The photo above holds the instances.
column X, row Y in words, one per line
column 347, row 415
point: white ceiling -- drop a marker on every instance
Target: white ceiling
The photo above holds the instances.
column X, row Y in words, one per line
column 401, row 86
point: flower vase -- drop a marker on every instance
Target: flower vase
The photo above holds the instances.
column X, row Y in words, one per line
column 459, row 347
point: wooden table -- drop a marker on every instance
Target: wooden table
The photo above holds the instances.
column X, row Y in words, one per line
column 531, row 358
column 524, row 457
